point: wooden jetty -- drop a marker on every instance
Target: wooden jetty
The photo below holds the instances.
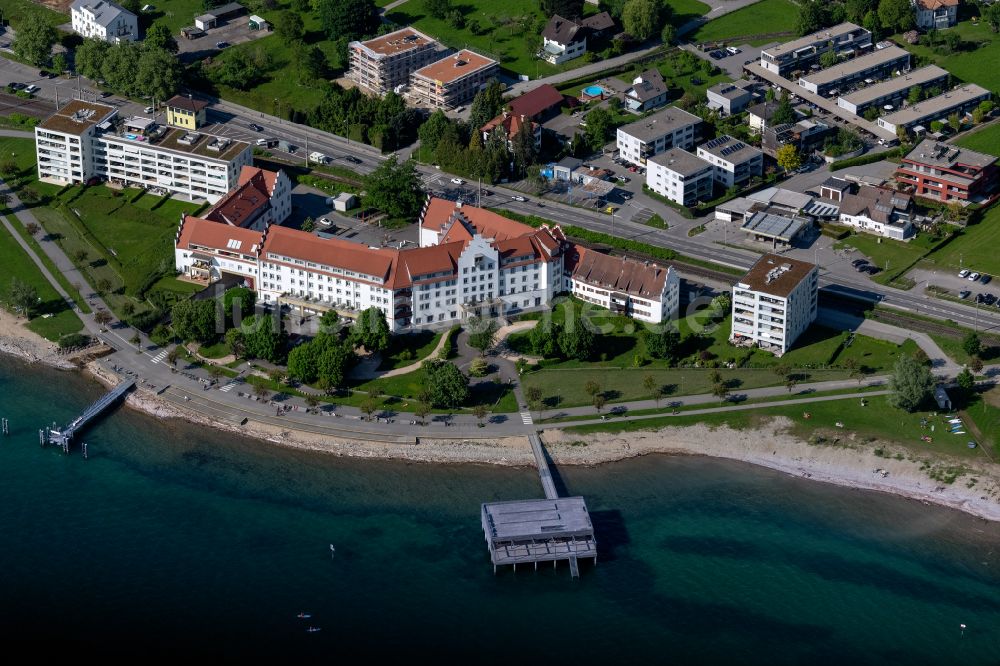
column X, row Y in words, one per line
column 64, row 436
column 533, row 531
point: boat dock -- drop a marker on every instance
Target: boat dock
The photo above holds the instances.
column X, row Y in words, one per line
column 533, row 531
column 64, row 436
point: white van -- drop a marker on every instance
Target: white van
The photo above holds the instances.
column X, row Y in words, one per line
column 318, row 158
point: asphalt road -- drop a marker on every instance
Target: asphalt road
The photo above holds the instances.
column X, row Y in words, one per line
column 233, row 120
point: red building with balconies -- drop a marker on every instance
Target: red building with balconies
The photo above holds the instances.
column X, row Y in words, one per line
column 947, row 172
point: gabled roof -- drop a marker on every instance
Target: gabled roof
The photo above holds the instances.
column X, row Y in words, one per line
column 636, row 278
column 186, row 103
column 563, row 31
column 104, row 12
column 269, row 178
column 242, row 205
column 876, row 203
column 510, row 123
column 648, row 85
column 209, row 234
column 532, row 103
column 936, row 4
column 332, row 252
column 598, row 22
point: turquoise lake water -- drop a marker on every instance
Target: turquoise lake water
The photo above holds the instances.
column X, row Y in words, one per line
column 172, row 541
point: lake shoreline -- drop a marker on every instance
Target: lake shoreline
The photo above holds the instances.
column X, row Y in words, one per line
column 850, row 464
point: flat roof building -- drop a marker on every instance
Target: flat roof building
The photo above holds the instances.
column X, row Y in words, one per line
column 734, row 162
column 957, row 100
column 776, row 228
column 799, row 54
column 730, row 97
column 452, row 81
column 385, row 63
column 669, row 128
column 947, row 172
column 774, row 303
column 680, row 176
column 532, row 531
column 876, row 65
column 894, row 90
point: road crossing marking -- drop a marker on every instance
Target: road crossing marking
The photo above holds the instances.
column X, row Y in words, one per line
column 526, row 418
column 229, row 386
column 159, row 357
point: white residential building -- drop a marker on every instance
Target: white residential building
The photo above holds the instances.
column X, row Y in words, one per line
column 935, row 14
column 730, row 97
column 663, row 130
column 641, row 290
column 84, row 140
column 104, row 20
column 878, row 210
column 774, row 303
column 680, row 176
column 735, row 162
column 800, row 54
column 261, row 198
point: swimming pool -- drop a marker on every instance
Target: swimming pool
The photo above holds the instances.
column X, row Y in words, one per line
column 593, row 91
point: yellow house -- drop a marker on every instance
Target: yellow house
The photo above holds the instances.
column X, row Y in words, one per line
column 185, row 112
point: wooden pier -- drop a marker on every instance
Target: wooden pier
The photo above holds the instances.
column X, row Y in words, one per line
column 533, row 531
column 64, row 436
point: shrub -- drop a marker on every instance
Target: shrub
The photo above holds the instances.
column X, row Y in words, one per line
column 72, row 340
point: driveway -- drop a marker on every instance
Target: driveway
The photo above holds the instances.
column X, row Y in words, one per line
column 732, row 64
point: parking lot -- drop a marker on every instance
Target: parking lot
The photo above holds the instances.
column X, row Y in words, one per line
column 732, row 64
column 951, row 280
column 234, row 31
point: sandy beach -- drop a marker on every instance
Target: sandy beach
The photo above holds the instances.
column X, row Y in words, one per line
column 976, row 490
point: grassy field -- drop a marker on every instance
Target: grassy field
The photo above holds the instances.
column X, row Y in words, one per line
column 975, row 247
column 686, row 10
column 889, row 255
column 980, row 46
column 176, row 14
column 408, row 349
column 16, row 11
column 763, row 17
column 53, row 318
column 985, row 140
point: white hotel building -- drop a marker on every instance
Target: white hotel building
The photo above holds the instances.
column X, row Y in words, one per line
column 470, row 262
column 84, row 140
column 774, row 303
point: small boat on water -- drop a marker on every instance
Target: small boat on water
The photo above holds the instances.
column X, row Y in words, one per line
column 304, row 616
column 313, row 630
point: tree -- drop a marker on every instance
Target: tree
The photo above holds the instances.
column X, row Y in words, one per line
column 533, row 394
column 289, row 26
column 215, row 371
column 784, row 113
column 955, row 121
column 483, row 334
column 439, row 9
column 310, row 62
column 59, row 63
column 303, row 362
column 857, row 9
column 158, row 74
column 966, row 382
column 34, row 39
column 119, row 67
column 277, row 375
column 447, row 386
column 194, row 320
column 790, row 384
column 668, row 34
column 237, row 70
column 394, row 189
column 570, row 9
column 23, row 297
column 971, row 344
column 369, row 406
column 576, row 343
column 236, row 342
column 640, row 18
column 433, row 130
column 421, row 410
column 173, row 356
column 592, row 388
column 329, row 322
column 80, row 256
column 486, row 105
column 914, row 96
column 158, row 36
column 479, row 367
column 264, row 338
column 239, row 298
column 663, row 344
column 29, row 195
column 544, row 339
column 480, row 411
column 828, row 59
column 599, row 402
column 334, row 362
column 347, row 19
column 788, row 157
column 599, row 126
column 128, row 308
column 911, row 383
column 720, row 391
column 812, row 17
column 371, row 331
column 102, row 317
column 261, row 391
column 872, row 24
column 8, row 168
column 896, row 15
column 992, row 16
column 89, row 58
column 32, row 228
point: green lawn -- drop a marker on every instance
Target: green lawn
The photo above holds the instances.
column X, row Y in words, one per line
column 16, row 11
column 766, row 16
column 985, row 140
column 975, row 247
column 888, row 254
column 981, row 49
column 176, row 14
column 408, row 349
column 686, row 10
column 53, row 317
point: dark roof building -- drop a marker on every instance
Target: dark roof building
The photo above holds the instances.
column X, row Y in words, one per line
column 537, row 103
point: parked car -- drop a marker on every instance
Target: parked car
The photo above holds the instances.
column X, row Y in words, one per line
column 973, row 277
column 986, row 279
column 148, row 109
column 105, row 94
column 964, row 293
column 18, row 86
column 626, row 196
column 859, row 262
column 871, row 269
column 457, row 181
column 622, row 179
column 352, row 159
column 45, row 74
column 325, row 221
column 32, row 89
column 695, row 81
column 989, row 299
column 518, row 197
column 717, row 55
column 255, row 127
column 732, row 50
column 963, row 273
column 486, row 193
column 221, row 45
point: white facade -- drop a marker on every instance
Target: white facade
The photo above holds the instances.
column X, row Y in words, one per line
column 899, row 230
column 774, row 318
column 100, row 19
column 653, row 309
column 935, row 14
column 556, row 53
column 733, row 161
column 680, row 177
column 666, row 129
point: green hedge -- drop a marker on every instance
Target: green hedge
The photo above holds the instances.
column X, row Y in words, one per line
column 835, row 231
column 869, row 158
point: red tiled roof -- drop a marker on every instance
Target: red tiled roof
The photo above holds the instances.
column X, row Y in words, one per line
column 332, row 252
column 935, row 4
column 240, row 206
column 195, row 230
column 440, row 213
column 536, row 101
column 620, row 274
column 251, row 172
column 511, row 124
column 455, row 66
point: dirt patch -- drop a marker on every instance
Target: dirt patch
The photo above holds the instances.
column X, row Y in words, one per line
column 61, row 6
column 992, row 397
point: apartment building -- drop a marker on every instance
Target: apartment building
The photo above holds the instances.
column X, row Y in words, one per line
column 947, row 172
column 385, row 63
column 774, row 303
column 734, row 162
column 452, row 81
column 875, row 65
column 893, row 91
column 103, row 20
column 663, row 130
column 919, row 116
column 935, row 14
column 638, row 289
column 260, row 199
column 83, row 140
column 800, row 54
column 680, row 176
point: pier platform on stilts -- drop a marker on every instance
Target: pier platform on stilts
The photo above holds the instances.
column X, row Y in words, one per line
column 64, row 436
